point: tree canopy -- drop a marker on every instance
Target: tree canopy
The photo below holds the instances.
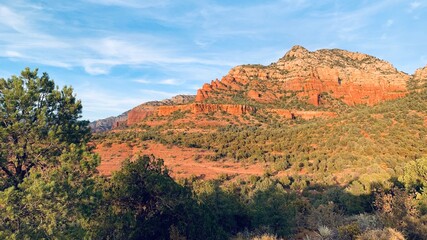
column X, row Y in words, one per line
column 47, row 171
column 38, row 122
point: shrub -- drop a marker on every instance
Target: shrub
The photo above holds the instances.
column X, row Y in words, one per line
column 381, row 234
column 325, row 232
column 349, row 231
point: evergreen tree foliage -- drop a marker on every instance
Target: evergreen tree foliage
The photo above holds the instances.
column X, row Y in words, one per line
column 38, row 122
column 143, row 202
column 47, row 170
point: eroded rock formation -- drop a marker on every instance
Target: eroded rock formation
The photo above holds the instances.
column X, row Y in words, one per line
column 320, row 78
column 136, row 115
column 355, row 78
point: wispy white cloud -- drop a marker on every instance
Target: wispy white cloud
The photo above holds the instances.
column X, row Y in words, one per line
column 96, row 66
column 141, row 80
column 168, row 81
column 95, row 54
column 101, row 103
column 98, row 55
column 414, row 5
column 130, row 3
column 11, row 19
column 45, row 60
column 203, row 43
column 12, row 54
column 171, row 81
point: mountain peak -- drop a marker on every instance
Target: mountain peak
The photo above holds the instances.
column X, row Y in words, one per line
column 350, row 77
column 298, row 48
column 296, row 51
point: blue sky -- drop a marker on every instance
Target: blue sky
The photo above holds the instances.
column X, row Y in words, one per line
column 120, row 53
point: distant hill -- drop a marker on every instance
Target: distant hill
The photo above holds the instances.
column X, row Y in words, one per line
column 106, row 124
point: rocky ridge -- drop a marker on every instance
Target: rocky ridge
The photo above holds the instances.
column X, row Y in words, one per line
column 106, row 124
column 136, row 115
column 314, row 78
column 355, row 78
column 109, row 123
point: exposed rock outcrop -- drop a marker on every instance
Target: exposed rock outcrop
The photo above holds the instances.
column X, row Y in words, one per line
column 136, row 115
column 355, row 78
column 327, row 78
column 140, row 113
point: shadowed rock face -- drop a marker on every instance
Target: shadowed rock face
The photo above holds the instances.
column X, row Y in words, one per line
column 355, row 78
column 106, row 124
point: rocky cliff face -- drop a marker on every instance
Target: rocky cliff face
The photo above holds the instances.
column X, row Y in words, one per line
column 320, row 78
column 233, row 109
column 136, row 115
column 355, row 78
column 147, row 109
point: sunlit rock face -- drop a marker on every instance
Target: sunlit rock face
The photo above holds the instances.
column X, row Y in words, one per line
column 355, row 78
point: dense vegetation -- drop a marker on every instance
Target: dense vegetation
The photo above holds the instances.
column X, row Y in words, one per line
column 369, row 143
column 50, row 188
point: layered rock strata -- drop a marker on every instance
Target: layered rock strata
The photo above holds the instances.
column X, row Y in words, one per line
column 136, row 115
column 355, row 78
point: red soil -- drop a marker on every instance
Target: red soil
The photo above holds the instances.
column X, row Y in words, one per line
column 183, row 162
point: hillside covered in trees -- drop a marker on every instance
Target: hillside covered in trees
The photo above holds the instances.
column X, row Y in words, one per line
column 334, row 131
column 274, row 164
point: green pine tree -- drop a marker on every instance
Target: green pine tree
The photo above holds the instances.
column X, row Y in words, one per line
column 47, row 171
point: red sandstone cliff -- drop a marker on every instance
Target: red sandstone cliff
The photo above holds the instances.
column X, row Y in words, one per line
column 136, row 115
column 148, row 109
column 355, row 78
column 140, row 113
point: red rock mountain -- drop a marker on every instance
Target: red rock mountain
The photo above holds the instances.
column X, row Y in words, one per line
column 312, row 78
column 355, row 78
